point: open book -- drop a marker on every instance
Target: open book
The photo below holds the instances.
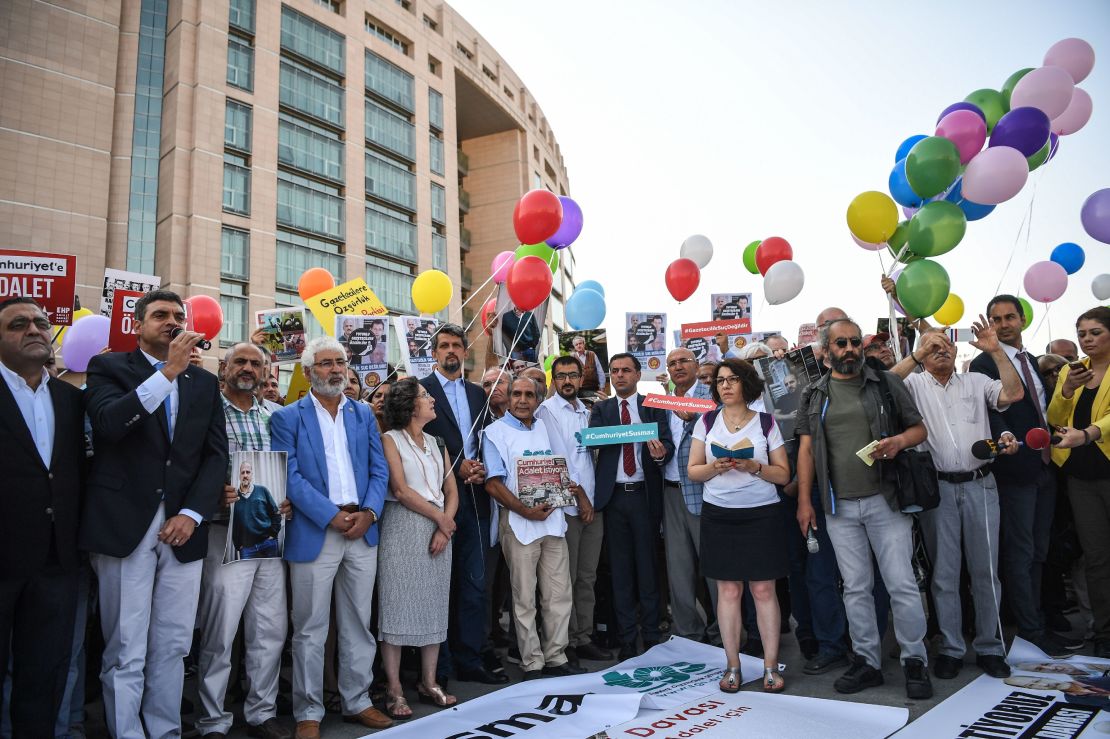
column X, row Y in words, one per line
column 742, row 449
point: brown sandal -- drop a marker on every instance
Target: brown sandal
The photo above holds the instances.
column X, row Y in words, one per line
column 435, row 696
column 397, row 708
column 730, row 681
column 773, row 681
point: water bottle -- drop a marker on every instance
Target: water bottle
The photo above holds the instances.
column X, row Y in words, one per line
column 811, row 541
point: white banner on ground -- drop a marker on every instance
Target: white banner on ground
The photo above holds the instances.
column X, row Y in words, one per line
column 1043, row 699
column 666, row 676
column 751, row 714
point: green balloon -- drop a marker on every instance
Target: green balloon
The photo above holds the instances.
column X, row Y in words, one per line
column 993, row 104
column 1041, row 156
column 1026, row 313
column 922, row 288
column 932, row 165
column 897, row 240
column 1011, row 82
column 543, row 251
column 937, row 228
column 749, row 256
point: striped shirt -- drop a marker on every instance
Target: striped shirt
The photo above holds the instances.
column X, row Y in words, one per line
column 247, row 431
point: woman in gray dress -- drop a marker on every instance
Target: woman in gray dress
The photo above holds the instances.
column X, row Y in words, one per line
column 414, row 554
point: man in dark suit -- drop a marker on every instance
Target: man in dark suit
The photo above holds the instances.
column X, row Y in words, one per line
column 459, row 422
column 42, row 435
column 630, row 491
column 158, row 473
column 1026, row 484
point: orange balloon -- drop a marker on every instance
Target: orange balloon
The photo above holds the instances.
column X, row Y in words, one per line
column 314, row 281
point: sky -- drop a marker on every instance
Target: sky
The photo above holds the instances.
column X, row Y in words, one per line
column 743, row 120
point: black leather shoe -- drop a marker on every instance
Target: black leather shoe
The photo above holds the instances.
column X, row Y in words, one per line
column 572, row 655
column 271, row 728
column 533, row 674
column 946, row 667
column 591, row 651
column 993, row 665
column 482, row 675
column 858, row 677
column 561, row 670
column 824, row 662
column 1054, row 646
column 628, row 651
column 918, row 686
column 808, row 646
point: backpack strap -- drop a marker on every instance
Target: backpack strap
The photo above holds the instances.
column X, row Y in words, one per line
column 766, row 422
column 708, row 418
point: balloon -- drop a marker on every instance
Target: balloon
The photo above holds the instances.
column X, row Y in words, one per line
column 1047, row 88
column 1075, row 116
column 205, row 315
column 899, row 186
column 1040, row 157
column 908, row 211
column 776, row 249
column 585, row 309
column 84, row 340
column 570, row 227
column 991, row 103
column 79, row 314
column 61, row 331
column 749, row 257
column 1069, row 256
column 1025, row 129
column 431, row 291
column 501, row 265
column 1100, row 286
column 1045, row 281
column 529, row 282
column 698, row 248
column 872, row 216
column 682, row 277
column 905, row 146
column 931, row 166
column 937, row 228
column 951, row 312
column 489, row 310
column 1053, row 145
column 1013, row 79
column 966, row 130
column 1074, row 55
column 1095, row 215
column 972, row 211
column 1026, row 313
column 898, row 240
column 922, row 288
column 548, row 255
column 864, row 245
column 995, row 175
column 314, row 281
column 961, row 106
column 537, row 216
column 783, row 281
column 591, row 285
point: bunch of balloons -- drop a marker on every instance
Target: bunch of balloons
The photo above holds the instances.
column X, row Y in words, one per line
column 683, row 275
column 544, row 223
column 773, row 257
column 1047, row 280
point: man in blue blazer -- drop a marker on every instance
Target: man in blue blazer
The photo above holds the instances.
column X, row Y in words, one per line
column 337, row 483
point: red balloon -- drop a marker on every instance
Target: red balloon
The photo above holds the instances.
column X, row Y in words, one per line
column 683, row 278
column 537, row 216
column 205, row 315
column 489, row 310
column 773, row 249
column 529, row 282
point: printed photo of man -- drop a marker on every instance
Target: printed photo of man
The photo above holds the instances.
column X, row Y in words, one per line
column 256, row 520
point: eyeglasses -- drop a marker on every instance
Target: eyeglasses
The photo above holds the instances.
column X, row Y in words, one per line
column 329, row 363
column 675, row 362
column 728, row 380
column 564, row 376
column 423, row 395
column 842, row 342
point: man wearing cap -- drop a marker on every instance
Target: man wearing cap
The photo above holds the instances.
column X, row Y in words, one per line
column 877, row 346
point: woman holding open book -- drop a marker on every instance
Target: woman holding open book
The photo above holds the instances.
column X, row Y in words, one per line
column 738, row 456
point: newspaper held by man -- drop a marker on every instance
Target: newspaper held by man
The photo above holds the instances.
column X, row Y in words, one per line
column 544, row 480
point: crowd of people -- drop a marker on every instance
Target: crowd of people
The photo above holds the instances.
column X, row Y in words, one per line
column 404, row 527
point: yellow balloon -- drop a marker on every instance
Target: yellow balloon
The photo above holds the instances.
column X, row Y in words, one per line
column 872, row 217
column 951, row 312
column 431, row 291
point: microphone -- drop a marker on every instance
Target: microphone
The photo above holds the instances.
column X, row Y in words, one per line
column 204, row 344
column 1038, row 439
column 988, row 449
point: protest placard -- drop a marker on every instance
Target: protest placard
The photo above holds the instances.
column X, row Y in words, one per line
column 353, row 297
column 256, row 529
column 118, row 279
column 680, row 404
column 646, row 339
column 283, row 333
column 623, row 434
column 366, row 341
column 416, row 335
column 123, row 333
column 50, row 279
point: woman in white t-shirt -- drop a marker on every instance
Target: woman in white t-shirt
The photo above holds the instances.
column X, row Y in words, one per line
column 742, row 528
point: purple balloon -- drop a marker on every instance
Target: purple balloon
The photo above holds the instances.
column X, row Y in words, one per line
column 963, row 106
column 570, row 227
column 1095, row 216
column 1054, row 146
column 85, row 339
column 909, row 211
column 1025, row 129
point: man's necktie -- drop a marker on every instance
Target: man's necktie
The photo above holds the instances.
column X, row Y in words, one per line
column 167, row 404
column 1027, row 375
column 627, row 450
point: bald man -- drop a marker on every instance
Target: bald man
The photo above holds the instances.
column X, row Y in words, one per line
column 1065, row 348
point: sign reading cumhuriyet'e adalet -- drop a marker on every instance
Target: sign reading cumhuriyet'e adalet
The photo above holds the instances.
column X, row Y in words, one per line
column 50, row 279
column 625, row 434
column 353, row 297
column 675, row 403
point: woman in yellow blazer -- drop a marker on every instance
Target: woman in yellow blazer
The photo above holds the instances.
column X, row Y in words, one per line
column 1080, row 409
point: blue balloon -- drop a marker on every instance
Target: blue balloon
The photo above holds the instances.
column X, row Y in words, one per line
column 973, row 211
column 905, row 146
column 591, row 285
column 1069, row 256
column 900, row 188
column 585, row 309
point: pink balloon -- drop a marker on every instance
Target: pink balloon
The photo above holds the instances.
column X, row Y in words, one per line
column 1073, row 55
column 865, row 245
column 501, row 265
column 995, row 175
column 1046, row 281
column 965, row 129
column 1076, row 116
column 1047, row 88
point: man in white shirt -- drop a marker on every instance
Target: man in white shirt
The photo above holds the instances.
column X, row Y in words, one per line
column 565, row 416
column 532, row 538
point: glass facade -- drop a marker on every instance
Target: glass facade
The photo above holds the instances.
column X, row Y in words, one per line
column 241, row 15
column 240, row 63
column 237, row 185
column 389, row 81
column 234, row 303
column 390, row 182
column 235, row 253
column 391, row 282
column 439, row 252
column 389, row 130
column 435, row 157
column 237, row 126
column 439, row 204
column 309, row 206
column 146, row 133
column 390, row 232
column 311, row 93
column 307, row 38
column 296, row 253
column 310, row 148
column 435, row 109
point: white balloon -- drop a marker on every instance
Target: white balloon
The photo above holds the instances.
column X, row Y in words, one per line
column 783, row 281
column 697, row 248
column 1100, row 286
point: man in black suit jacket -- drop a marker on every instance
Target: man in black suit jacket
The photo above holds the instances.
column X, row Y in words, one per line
column 460, row 417
column 1026, row 484
column 630, row 490
column 42, row 434
column 159, row 472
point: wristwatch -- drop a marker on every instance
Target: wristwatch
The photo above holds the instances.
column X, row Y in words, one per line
column 373, row 516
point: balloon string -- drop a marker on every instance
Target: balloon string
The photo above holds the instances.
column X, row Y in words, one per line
column 56, row 335
column 1047, row 309
column 896, row 346
column 897, row 258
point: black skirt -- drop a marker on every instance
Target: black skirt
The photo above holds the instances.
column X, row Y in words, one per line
column 743, row 543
